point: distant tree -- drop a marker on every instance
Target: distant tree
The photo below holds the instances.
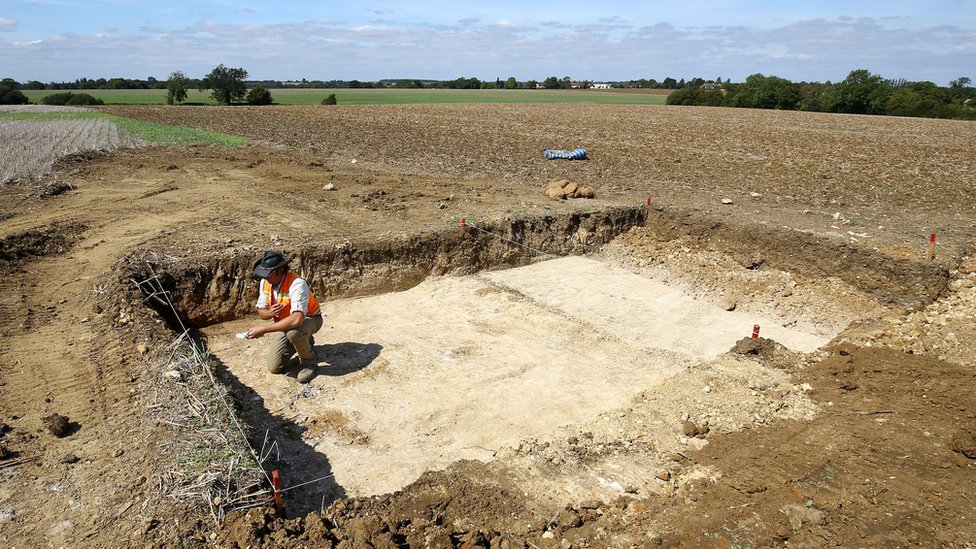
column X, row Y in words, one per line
column 34, row 85
column 812, row 96
column 258, row 96
column 176, row 88
column 919, row 99
column 860, row 93
column 463, row 83
column 690, row 95
column 68, row 98
column 330, row 100
column 684, row 96
column 511, row 83
column 531, row 84
column 551, row 83
column 766, row 92
column 960, row 90
column 669, row 83
column 10, row 95
column 226, row 85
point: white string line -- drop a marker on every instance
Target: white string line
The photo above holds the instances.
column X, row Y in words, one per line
column 304, row 483
column 540, row 252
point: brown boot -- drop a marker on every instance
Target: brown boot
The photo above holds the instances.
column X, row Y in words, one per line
column 308, row 371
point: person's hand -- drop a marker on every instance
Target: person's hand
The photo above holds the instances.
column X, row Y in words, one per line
column 254, row 333
column 276, row 309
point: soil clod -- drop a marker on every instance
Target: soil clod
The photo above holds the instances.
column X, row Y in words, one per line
column 760, row 346
column 60, row 426
column 964, row 442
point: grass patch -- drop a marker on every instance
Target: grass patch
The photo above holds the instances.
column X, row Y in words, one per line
column 387, row 96
column 154, row 132
column 125, row 97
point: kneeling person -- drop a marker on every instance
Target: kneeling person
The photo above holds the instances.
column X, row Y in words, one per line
column 286, row 299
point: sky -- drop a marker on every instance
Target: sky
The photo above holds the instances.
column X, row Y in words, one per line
column 597, row 40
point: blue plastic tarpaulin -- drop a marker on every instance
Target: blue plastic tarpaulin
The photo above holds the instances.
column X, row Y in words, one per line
column 575, row 154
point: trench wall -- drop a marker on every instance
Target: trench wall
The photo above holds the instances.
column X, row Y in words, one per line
column 890, row 281
column 221, row 288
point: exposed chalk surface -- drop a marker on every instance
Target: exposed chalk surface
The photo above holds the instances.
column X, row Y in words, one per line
column 644, row 312
column 458, row 367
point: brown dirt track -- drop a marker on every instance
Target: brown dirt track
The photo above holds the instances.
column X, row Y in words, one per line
column 843, row 204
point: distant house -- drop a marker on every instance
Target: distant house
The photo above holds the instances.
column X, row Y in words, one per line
column 600, row 86
column 575, row 85
column 710, row 86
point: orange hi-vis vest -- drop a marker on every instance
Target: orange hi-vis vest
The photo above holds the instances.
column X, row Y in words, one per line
column 285, row 299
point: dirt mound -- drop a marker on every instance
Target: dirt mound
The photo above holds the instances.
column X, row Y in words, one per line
column 562, row 189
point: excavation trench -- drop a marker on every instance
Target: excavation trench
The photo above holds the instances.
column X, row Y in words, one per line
column 449, row 346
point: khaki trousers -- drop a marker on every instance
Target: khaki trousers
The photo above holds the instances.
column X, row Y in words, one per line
column 286, row 344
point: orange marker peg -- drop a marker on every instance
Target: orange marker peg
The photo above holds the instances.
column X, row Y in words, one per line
column 276, row 481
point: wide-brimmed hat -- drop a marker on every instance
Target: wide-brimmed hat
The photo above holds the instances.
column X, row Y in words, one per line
column 267, row 264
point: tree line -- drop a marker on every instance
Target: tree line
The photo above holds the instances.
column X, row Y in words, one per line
column 552, row 82
column 860, row 93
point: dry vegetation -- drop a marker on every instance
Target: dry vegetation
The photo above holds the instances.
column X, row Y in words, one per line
column 28, row 148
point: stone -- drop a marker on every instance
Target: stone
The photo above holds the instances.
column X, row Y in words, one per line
column 726, row 201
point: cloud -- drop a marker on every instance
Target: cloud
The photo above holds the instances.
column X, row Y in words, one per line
column 600, row 49
column 7, row 24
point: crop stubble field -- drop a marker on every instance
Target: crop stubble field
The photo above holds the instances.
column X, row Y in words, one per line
column 867, row 442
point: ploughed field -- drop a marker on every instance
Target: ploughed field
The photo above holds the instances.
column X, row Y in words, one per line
column 577, row 402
